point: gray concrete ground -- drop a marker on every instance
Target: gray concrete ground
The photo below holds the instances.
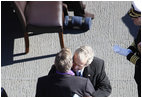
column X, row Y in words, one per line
column 19, row 72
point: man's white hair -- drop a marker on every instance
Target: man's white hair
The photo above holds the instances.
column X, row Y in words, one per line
column 85, row 52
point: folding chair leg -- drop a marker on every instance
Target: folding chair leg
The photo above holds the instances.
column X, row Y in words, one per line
column 26, row 37
column 61, row 39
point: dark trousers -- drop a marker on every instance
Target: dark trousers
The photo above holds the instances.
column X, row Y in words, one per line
column 76, row 6
column 139, row 90
column 137, row 78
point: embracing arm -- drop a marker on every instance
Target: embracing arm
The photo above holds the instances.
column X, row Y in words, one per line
column 134, row 59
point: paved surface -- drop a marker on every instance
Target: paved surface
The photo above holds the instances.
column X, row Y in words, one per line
column 19, row 72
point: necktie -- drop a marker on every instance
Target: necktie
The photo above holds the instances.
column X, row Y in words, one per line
column 79, row 73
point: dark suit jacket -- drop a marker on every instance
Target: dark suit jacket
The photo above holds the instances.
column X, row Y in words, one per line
column 96, row 73
column 57, row 85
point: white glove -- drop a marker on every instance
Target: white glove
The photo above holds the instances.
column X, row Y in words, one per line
column 121, row 51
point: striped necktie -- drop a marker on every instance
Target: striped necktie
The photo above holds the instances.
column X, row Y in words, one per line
column 79, row 73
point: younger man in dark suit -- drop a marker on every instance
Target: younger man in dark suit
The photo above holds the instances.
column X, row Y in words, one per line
column 63, row 83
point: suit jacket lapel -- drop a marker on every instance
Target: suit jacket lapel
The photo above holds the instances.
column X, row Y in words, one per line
column 85, row 72
column 88, row 73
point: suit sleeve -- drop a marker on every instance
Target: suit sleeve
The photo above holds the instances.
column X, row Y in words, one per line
column 89, row 89
column 39, row 89
column 103, row 87
column 134, row 59
column 132, row 47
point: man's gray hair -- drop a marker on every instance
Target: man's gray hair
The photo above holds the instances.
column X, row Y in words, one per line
column 63, row 60
column 85, row 52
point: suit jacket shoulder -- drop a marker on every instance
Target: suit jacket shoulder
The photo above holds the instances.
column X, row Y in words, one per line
column 96, row 73
column 96, row 65
column 63, row 85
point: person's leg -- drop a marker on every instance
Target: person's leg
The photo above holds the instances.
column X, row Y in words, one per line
column 79, row 8
column 75, row 5
column 139, row 90
column 137, row 78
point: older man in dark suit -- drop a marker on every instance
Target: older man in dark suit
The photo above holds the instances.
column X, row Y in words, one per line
column 63, row 83
column 88, row 66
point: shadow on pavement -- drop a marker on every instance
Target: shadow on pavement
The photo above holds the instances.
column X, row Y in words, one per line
column 10, row 30
column 73, row 31
column 34, row 58
column 133, row 29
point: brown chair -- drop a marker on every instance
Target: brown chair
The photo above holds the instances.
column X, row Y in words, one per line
column 40, row 16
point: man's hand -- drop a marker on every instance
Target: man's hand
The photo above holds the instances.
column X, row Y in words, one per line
column 121, row 51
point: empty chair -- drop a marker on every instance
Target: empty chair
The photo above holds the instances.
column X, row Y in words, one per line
column 40, row 16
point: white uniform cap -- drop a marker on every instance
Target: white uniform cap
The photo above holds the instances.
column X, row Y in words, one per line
column 137, row 4
column 135, row 11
